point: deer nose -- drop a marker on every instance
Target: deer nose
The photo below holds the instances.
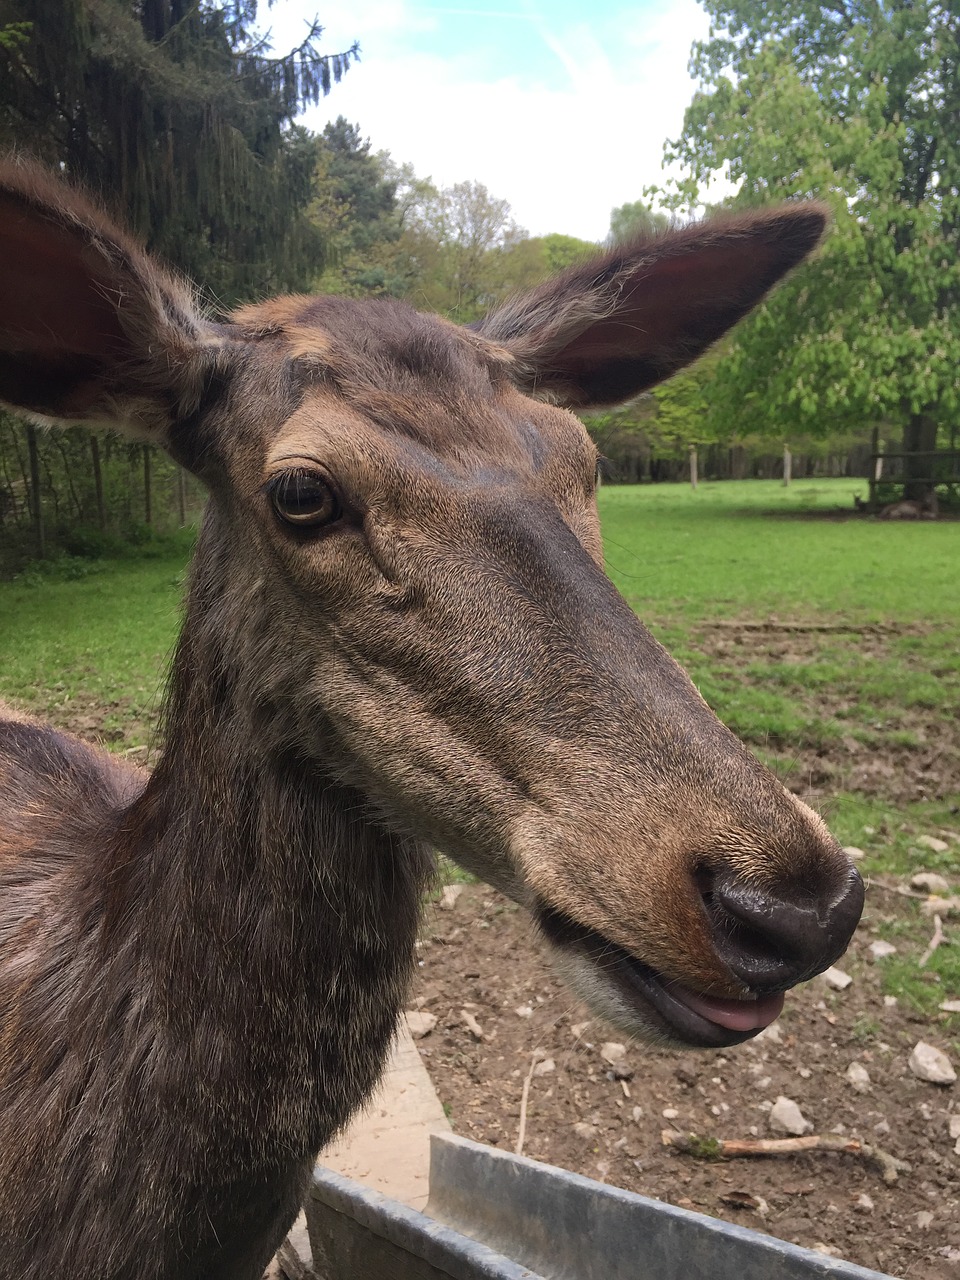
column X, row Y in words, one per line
column 772, row 940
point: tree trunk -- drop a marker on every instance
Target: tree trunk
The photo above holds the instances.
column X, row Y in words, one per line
column 787, row 464
column 920, row 434
column 98, row 482
column 147, row 493
column 693, row 466
column 35, row 503
column 182, row 496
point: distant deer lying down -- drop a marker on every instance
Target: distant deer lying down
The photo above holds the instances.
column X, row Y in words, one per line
column 398, row 635
column 927, row 508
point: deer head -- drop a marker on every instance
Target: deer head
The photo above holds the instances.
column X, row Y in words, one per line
column 399, row 579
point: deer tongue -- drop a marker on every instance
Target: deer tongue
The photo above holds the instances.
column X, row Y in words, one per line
column 735, row 1015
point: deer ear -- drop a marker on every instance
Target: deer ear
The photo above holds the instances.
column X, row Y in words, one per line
column 607, row 329
column 91, row 330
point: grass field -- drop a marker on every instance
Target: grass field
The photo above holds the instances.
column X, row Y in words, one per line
column 830, row 644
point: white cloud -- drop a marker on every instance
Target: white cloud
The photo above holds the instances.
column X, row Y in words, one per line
column 563, row 156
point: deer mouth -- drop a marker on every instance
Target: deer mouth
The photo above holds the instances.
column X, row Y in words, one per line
column 694, row 1018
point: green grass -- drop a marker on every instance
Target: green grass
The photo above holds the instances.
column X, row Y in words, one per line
column 752, row 548
column 97, row 641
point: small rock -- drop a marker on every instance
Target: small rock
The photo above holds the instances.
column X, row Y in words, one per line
column 924, row 1219
column 951, row 1006
column 882, row 1126
column 804, row 1073
column 869, row 831
column 836, row 979
column 880, row 949
column 473, row 1026
column 771, row 1035
column 929, row 881
column 584, row 1130
column 637, row 1114
column 578, row 1028
column 612, row 1052
column 786, row 1117
column 890, row 1002
column 544, row 1067
column 929, row 1063
column 449, row 896
column 827, row 1249
column 670, row 1113
column 858, row 1077
column 934, row 843
column 523, row 1011
column 419, row 1024
column 863, row 1203
column 955, row 1126
column 853, row 853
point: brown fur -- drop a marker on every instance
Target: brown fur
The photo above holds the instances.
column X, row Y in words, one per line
column 200, row 972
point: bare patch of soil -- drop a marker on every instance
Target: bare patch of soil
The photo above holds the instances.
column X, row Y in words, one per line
column 892, row 749
column 118, row 725
column 481, row 958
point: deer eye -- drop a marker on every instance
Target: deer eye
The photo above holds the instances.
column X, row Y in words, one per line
column 304, row 499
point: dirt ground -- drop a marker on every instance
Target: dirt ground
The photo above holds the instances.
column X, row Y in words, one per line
column 911, row 752
column 481, row 958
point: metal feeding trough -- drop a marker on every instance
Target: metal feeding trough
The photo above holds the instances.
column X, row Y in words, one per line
column 496, row 1216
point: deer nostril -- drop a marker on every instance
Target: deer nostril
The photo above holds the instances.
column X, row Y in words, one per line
column 772, row 940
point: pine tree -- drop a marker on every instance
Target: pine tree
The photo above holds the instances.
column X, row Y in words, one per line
column 175, row 111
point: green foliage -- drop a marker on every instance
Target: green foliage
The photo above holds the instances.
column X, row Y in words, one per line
column 357, row 212
column 683, row 405
column 635, row 219
column 560, row 251
column 461, row 242
column 858, row 106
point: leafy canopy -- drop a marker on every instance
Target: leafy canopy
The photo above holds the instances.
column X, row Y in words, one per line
column 858, row 105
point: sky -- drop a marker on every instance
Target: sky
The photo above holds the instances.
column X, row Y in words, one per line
column 560, row 107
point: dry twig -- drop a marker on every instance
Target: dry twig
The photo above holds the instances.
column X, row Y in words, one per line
column 713, row 1148
column 288, row 1265
column 898, row 889
column 524, row 1096
column 934, row 942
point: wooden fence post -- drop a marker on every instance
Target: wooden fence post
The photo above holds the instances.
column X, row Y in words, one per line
column 37, row 505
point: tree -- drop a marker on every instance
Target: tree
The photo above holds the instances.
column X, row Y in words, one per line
column 634, row 219
column 357, row 211
column 459, row 241
column 175, row 111
column 858, row 105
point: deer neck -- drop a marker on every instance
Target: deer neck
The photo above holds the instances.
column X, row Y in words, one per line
column 277, row 920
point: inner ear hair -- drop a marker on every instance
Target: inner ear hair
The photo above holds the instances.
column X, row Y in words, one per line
column 92, row 329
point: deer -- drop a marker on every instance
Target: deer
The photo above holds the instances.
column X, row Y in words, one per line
column 398, row 636
column 926, row 508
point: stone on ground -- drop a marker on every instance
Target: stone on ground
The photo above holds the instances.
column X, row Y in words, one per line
column 786, row 1117
column 927, row 1062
